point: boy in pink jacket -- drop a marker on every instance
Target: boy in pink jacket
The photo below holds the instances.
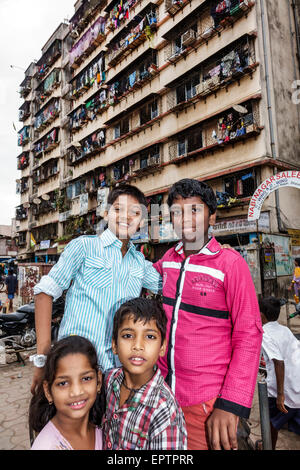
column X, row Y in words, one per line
column 214, row 328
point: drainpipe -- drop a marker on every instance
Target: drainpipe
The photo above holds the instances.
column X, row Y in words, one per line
column 264, row 415
column 297, row 31
column 270, row 117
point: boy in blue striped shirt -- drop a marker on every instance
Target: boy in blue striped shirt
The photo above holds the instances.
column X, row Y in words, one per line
column 103, row 272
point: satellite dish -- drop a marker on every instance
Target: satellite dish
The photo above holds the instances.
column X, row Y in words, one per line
column 26, row 205
column 46, row 197
column 240, row 109
column 37, row 201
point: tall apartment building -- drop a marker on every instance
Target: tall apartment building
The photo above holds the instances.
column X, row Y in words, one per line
column 150, row 92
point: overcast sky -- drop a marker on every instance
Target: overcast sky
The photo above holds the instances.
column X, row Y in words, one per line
column 25, row 27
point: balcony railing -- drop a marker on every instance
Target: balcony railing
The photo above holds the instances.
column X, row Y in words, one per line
column 45, row 172
column 144, row 30
column 23, row 161
column 172, row 6
column 24, row 136
column 21, row 213
column 24, row 111
column 89, row 41
column 47, row 115
column 89, row 146
column 48, row 59
column 47, row 87
column 95, row 72
column 47, row 143
column 134, row 79
column 221, row 70
column 26, row 87
column 236, row 124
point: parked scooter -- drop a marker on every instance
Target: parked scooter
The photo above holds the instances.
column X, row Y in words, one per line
column 17, row 330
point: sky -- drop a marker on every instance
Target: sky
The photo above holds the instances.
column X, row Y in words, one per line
column 25, row 27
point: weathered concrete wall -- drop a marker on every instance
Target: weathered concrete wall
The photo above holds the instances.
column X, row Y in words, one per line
column 284, row 70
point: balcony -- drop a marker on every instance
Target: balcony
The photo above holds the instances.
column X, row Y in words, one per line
column 23, row 161
column 22, row 185
column 173, row 6
column 93, row 73
column 135, row 77
column 45, row 172
column 47, row 115
column 83, row 16
column 24, row 136
column 21, row 213
column 87, row 43
column 236, row 124
column 238, row 188
column 88, row 147
column 24, row 111
column 47, row 143
column 227, row 66
column 48, row 203
column 138, row 34
column 47, row 87
column 25, row 87
column 48, row 59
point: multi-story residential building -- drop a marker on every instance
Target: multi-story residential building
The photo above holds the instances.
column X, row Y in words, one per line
column 150, row 92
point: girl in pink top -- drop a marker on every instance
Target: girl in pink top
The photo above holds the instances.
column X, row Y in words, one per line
column 67, row 407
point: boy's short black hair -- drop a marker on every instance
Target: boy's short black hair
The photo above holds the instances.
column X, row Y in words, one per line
column 297, row 260
column 126, row 189
column 142, row 310
column 270, row 307
column 189, row 188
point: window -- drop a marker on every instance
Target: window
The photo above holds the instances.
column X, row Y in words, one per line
column 187, row 90
column 241, row 184
column 178, row 46
column 190, row 142
column 149, row 112
column 122, row 128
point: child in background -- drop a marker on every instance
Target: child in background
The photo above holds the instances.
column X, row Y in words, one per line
column 296, row 280
column 67, row 407
column 103, row 271
column 214, row 329
column 141, row 412
column 281, row 351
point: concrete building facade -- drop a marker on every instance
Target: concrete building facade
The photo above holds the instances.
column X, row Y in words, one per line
column 149, row 92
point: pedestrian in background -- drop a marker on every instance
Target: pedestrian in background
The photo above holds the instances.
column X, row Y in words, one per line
column 11, row 288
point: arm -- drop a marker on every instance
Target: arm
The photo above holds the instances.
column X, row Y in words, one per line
column 152, row 279
column 51, row 287
column 279, row 372
column 237, row 392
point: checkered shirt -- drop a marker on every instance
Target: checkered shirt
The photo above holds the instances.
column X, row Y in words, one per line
column 151, row 419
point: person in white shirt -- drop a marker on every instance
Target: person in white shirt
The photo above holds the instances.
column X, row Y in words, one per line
column 281, row 351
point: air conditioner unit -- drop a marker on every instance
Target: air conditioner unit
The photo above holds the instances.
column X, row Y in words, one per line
column 188, row 38
column 199, row 88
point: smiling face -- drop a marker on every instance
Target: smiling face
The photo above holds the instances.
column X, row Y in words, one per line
column 138, row 346
column 75, row 387
column 191, row 220
column 125, row 216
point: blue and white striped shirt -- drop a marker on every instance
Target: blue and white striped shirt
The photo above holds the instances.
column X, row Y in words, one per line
column 102, row 281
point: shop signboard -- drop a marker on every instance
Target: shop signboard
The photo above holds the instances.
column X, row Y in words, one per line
column 242, row 225
column 289, row 178
column 295, row 237
column 44, row 244
column 283, row 258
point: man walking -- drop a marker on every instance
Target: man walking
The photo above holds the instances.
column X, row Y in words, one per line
column 11, row 288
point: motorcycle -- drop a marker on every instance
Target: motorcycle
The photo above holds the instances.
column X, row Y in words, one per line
column 17, row 330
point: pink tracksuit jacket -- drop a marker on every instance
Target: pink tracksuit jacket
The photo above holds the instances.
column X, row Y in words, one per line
column 214, row 328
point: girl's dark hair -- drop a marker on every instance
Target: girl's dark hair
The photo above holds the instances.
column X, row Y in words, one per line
column 144, row 310
column 189, row 188
column 297, row 260
column 270, row 307
column 126, row 189
column 40, row 412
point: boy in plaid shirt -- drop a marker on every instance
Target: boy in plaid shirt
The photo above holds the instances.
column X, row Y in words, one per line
column 142, row 412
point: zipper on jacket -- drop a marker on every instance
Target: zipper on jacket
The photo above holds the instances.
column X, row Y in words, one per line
column 170, row 378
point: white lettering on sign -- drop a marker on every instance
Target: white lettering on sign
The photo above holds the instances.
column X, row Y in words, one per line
column 289, row 178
